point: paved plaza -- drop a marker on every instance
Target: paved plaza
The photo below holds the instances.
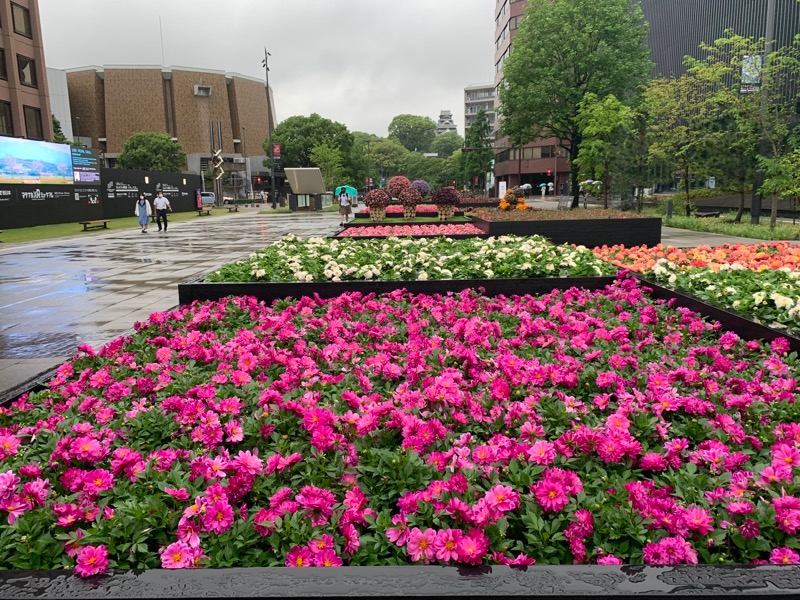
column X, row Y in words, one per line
column 91, row 288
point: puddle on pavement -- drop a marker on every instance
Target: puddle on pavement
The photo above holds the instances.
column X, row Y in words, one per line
column 38, row 345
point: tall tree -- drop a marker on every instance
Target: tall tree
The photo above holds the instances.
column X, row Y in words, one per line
column 445, row 144
column 413, row 132
column 299, row 135
column 389, row 158
column 478, row 153
column 681, row 112
column 152, row 152
column 329, row 161
column 563, row 50
column 605, row 127
column 58, row 133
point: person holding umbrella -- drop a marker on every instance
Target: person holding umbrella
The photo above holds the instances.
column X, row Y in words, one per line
column 344, row 204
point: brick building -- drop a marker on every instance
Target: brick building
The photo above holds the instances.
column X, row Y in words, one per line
column 109, row 104
column 24, row 101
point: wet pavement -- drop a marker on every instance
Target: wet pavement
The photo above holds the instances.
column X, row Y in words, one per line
column 92, row 288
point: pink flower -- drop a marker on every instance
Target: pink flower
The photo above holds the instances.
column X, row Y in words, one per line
column 421, row 545
column 320, row 544
column 327, row 558
column 400, row 534
column 551, row 495
column 218, row 517
column 741, row 507
column 91, row 561
column 609, row 559
column 472, row 547
column 699, row 520
column 299, row 557
column 446, row 544
column 248, row 462
column 176, row 556
column 784, row 556
column 542, row 452
column 178, row 494
column 502, row 498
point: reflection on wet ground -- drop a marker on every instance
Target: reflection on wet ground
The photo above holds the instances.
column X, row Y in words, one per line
column 57, row 294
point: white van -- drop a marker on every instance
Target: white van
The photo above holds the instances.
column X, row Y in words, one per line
column 208, row 198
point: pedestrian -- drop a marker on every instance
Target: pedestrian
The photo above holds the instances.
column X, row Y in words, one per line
column 161, row 205
column 344, row 206
column 143, row 211
column 550, row 188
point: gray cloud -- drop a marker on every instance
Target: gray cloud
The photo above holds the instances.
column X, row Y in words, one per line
column 358, row 62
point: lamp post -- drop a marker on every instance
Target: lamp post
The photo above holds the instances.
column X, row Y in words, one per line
column 249, row 185
column 271, row 151
column 369, row 167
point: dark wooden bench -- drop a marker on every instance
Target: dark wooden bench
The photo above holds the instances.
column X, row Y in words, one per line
column 203, row 211
column 99, row 224
column 711, row 213
column 234, row 208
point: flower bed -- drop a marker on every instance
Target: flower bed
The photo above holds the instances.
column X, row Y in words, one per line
column 463, row 229
column 580, row 426
column 761, row 281
column 571, row 227
column 395, row 259
column 396, row 211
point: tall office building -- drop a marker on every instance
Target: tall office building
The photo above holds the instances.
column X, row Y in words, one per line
column 677, row 27
column 24, row 101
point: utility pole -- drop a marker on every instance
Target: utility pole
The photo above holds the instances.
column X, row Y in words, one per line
column 271, row 151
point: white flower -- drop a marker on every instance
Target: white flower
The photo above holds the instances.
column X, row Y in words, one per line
column 423, row 276
column 781, row 301
column 759, row 298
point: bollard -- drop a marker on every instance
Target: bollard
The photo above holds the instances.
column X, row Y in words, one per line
column 669, row 209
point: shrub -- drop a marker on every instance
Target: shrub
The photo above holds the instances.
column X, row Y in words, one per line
column 410, row 197
column 421, row 186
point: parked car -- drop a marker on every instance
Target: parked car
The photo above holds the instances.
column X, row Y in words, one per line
column 208, row 198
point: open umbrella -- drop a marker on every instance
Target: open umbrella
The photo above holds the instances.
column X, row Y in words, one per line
column 526, row 186
column 542, row 185
column 351, row 191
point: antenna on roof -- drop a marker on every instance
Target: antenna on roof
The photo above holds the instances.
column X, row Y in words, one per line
column 161, row 31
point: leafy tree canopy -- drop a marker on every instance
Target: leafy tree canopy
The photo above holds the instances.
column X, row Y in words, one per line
column 447, row 143
column 148, row 151
column 413, row 132
column 58, row 133
column 299, row 135
column 478, row 156
column 329, row 161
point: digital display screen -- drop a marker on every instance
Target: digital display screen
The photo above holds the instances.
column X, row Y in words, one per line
column 34, row 162
column 86, row 165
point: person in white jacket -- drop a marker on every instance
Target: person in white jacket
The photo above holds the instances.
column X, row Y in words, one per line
column 143, row 211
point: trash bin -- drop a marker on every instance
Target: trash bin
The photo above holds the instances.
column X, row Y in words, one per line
column 292, row 202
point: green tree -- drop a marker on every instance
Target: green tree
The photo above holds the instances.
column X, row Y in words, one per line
column 681, row 111
column 58, row 133
column 299, row 135
column 414, row 133
column 445, row 144
column 478, row 154
column 563, row 50
column 147, row 151
column 388, row 158
column 329, row 161
column 605, row 127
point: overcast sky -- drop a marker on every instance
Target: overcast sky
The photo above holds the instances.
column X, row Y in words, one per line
column 358, row 62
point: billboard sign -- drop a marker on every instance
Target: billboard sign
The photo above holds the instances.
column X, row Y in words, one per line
column 35, row 163
column 86, row 165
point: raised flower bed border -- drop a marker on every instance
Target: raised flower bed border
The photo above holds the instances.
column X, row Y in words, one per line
column 644, row 231
column 269, row 291
column 569, row 581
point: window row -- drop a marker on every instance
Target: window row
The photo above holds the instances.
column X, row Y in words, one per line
column 480, row 94
column 33, row 121
column 527, row 153
column 26, row 68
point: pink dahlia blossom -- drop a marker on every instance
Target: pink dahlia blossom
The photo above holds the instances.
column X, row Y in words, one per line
column 446, row 544
column 92, row 560
column 421, row 545
column 784, row 556
column 177, row 555
column 299, row 556
column 327, row 558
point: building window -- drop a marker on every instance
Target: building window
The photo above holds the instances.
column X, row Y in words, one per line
column 22, row 20
column 3, row 70
column 27, row 71
column 6, row 125
column 33, row 123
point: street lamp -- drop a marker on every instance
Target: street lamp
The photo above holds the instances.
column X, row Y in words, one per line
column 265, row 64
column 369, row 167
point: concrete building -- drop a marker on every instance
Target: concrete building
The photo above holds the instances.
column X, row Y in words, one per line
column 677, row 27
column 111, row 103
column 24, row 100
column 479, row 97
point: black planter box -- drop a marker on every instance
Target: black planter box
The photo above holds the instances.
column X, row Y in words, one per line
column 394, row 222
column 586, row 232
column 424, row 213
column 562, row 581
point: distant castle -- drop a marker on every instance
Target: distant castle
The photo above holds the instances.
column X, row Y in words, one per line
column 445, row 123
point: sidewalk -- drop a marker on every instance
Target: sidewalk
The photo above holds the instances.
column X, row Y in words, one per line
column 57, row 294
